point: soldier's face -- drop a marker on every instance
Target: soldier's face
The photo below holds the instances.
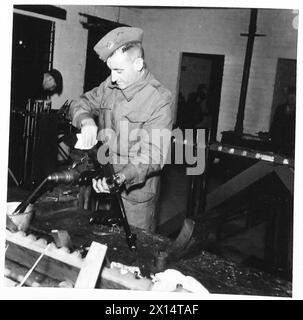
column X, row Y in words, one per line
column 123, row 69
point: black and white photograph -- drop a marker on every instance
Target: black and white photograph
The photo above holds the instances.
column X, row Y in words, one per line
column 151, row 149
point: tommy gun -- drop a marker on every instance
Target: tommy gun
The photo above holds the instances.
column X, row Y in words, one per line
column 73, row 176
column 112, row 180
column 114, row 189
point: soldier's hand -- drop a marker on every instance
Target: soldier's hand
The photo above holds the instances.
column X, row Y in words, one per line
column 89, row 131
column 100, row 185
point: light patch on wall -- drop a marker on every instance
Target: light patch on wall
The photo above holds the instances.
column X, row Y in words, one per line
column 295, row 22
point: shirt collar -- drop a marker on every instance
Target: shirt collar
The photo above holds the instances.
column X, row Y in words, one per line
column 131, row 91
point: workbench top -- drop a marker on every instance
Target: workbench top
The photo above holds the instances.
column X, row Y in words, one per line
column 216, row 274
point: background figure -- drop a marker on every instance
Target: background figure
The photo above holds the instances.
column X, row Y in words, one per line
column 282, row 130
column 38, row 85
column 33, row 133
column 196, row 108
column 181, row 110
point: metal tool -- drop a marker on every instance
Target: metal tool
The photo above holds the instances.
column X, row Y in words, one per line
column 179, row 246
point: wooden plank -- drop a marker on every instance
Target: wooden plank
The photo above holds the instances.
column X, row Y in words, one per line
column 30, row 242
column 57, row 263
column 286, row 175
column 48, row 266
column 48, row 10
column 251, row 153
column 16, row 272
column 238, row 183
column 111, row 278
column 91, row 266
column 9, row 282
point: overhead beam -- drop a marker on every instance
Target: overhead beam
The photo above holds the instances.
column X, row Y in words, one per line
column 47, row 10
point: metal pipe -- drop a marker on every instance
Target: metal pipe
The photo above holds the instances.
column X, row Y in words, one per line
column 26, row 138
column 23, row 205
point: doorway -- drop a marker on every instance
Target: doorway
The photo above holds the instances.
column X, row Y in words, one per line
column 286, row 75
column 32, row 51
column 200, row 76
column 180, row 194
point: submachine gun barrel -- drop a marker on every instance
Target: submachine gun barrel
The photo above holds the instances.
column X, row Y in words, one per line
column 85, row 178
column 73, row 176
column 107, row 171
column 114, row 189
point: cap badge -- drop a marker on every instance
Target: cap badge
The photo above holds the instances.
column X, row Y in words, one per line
column 109, row 45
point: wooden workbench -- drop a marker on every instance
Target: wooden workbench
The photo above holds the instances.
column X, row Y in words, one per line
column 216, row 274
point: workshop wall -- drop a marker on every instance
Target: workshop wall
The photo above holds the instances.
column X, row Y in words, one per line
column 170, row 31
column 70, row 48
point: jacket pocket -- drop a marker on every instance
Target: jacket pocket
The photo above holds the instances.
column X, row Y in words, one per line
column 138, row 195
column 137, row 117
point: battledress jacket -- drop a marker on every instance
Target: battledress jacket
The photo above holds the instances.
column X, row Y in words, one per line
column 146, row 104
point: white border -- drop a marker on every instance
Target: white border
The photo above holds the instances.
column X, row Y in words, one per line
column 30, row 293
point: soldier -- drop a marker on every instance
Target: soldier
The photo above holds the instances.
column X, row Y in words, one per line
column 130, row 95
